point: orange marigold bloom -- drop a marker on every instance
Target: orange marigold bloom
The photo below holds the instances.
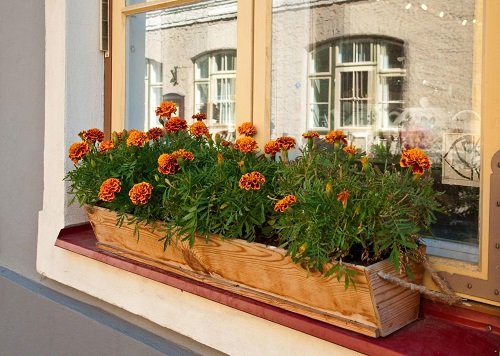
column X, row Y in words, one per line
column 78, row 150
column 252, row 181
column 311, row 134
column 108, row 189
column 167, row 164
column 199, row 129
column 416, row 159
column 166, row 109
column 155, row 133
column 200, row 116
column 226, row 143
column 247, row 129
column 184, row 154
column 140, row 193
column 106, row 146
column 336, row 136
column 285, row 203
column 271, row 148
column 136, row 138
column 350, row 150
column 118, row 135
column 246, row 144
column 93, row 135
column 285, row 143
column 343, row 196
column 175, row 124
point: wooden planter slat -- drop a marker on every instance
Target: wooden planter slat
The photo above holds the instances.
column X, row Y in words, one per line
column 374, row 307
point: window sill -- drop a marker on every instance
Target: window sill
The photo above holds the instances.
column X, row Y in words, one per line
column 458, row 330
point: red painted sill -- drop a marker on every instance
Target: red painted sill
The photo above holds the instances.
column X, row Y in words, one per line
column 441, row 330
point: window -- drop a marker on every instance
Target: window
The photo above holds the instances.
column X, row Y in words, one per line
column 154, row 84
column 356, row 85
column 215, row 83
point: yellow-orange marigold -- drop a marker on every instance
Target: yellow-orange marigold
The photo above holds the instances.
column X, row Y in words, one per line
column 311, row 134
column 252, row 181
column 184, row 154
column 336, row 136
column 176, row 124
column 78, row 150
column 140, row 193
column 155, row 133
column 200, row 116
column 285, row 203
column 106, row 146
column 285, row 143
column 136, row 138
column 93, row 135
column 108, row 189
column 271, row 148
column 245, row 144
column 416, row 159
column 247, row 129
column 166, row 109
column 167, row 164
column 343, row 196
column 350, row 149
column 199, row 129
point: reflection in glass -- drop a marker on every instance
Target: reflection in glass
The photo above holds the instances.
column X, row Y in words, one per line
column 191, row 57
column 392, row 77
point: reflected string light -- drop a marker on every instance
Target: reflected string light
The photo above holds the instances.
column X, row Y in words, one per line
column 441, row 14
column 464, row 22
column 408, row 6
column 424, row 7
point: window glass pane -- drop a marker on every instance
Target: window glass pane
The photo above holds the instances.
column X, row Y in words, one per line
column 320, row 90
column 321, row 60
column 202, row 68
column 414, row 85
column 318, row 116
column 184, row 54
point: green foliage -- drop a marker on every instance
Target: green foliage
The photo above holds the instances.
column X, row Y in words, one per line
column 344, row 209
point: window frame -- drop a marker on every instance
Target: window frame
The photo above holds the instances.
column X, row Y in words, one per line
column 253, row 87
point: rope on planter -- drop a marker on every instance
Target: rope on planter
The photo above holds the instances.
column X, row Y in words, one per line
column 448, row 296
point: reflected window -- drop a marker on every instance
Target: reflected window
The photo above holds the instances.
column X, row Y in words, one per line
column 214, row 87
column 355, row 84
column 154, row 83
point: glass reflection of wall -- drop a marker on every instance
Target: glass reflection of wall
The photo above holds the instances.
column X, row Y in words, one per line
column 185, row 50
column 392, row 75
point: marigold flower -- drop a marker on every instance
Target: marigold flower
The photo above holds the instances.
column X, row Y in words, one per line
column 78, row 150
column 271, row 148
column 311, row 134
column 117, row 136
column 140, row 193
column 226, row 143
column 199, row 129
column 175, row 124
column 252, row 181
column 246, row 144
column 108, row 189
column 106, row 146
column 285, row 143
column 336, row 136
column 343, row 196
column 93, row 135
column 200, row 116
column 247, row 129
column 184, row 154
column 220, row 158
column 284, row 204
column 166, row 109
column 416, row 159
column 364, row 160
column 350, row 150
column 136, row 138
column 167, row 164
column 155, row 133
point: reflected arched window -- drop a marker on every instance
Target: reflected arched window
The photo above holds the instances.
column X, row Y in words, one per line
column 214, row 87
column 356, row 85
